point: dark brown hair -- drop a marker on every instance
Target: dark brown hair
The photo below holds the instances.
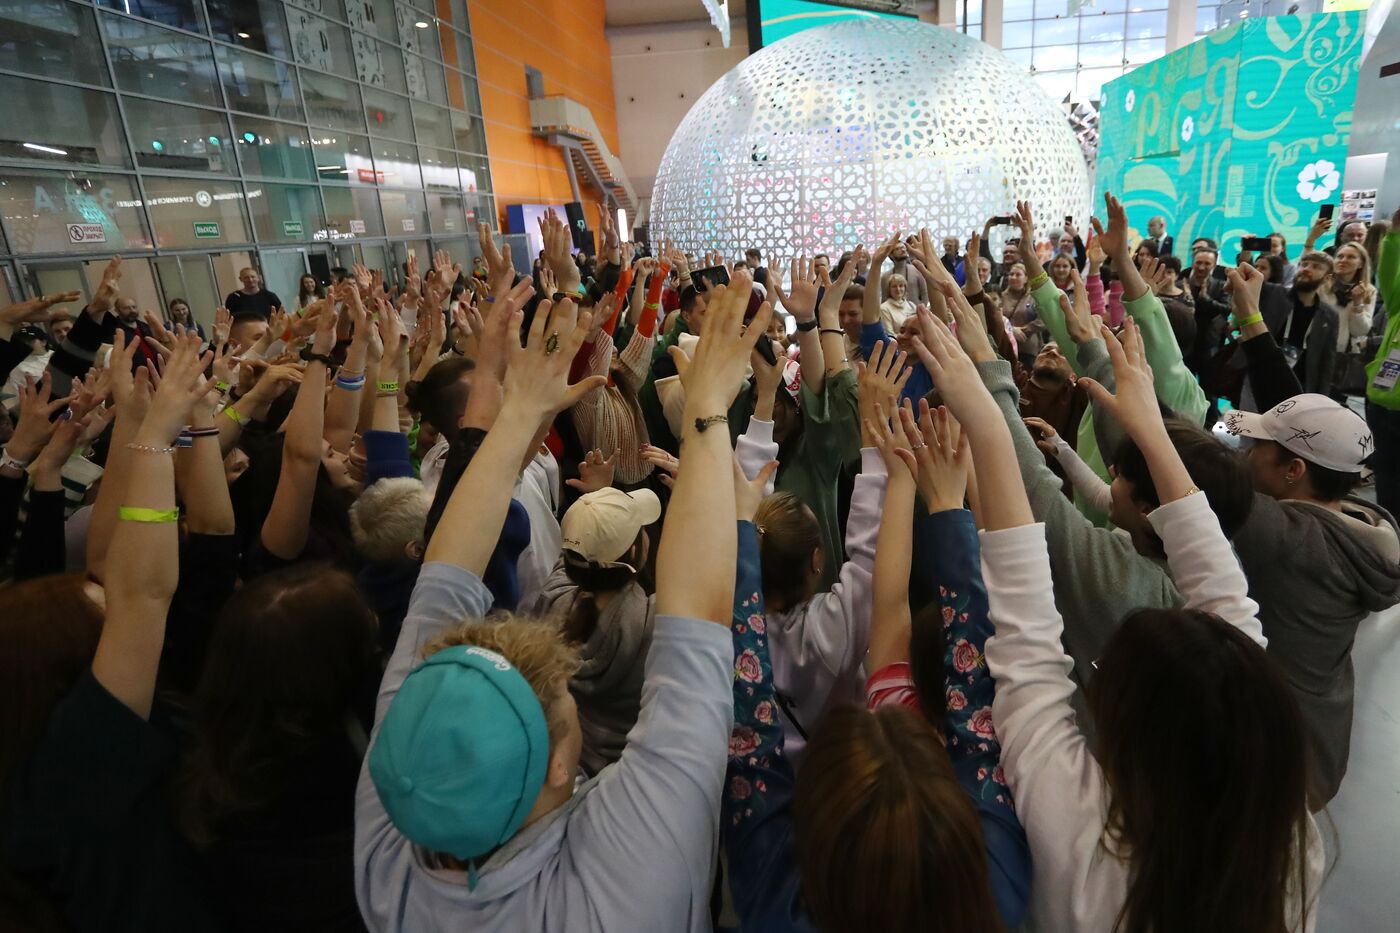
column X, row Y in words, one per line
column 788, row 534
column 289, row 653
column 1218, row 471
column 441, row 396
column 887, row 839
column 1202, row 746
column 48, row 634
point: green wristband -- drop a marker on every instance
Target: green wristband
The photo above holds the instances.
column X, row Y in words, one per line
column 147, row 516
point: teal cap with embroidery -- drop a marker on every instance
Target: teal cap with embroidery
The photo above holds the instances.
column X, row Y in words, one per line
column 461, row 753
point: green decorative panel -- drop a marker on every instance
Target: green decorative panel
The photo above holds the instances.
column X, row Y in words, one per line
column 1242, row 133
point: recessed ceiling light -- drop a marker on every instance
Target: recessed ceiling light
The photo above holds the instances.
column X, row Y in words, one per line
column 50, row 149
column 244, row 35
column 421, row 24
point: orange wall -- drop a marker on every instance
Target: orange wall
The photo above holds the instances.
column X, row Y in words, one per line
column 564, row 40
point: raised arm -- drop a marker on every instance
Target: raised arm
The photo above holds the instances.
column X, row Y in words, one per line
column 343, row 409
column 695, row 563
column 288, row 521
column 138, row 598
column 801, row 302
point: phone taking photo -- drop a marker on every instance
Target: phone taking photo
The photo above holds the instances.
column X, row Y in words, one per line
column 1325, row 212
column 1257, row 244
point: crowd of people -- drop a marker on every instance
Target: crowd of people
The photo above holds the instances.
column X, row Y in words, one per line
column 922, row 590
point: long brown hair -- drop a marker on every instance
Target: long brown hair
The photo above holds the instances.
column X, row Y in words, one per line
column 49, row 629
column 887, row 839
column 1202, row 745
column 788, row 534
column 287, row 656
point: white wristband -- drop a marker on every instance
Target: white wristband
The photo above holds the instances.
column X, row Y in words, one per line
column 8, row 461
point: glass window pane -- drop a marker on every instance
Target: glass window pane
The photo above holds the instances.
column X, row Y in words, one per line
column 469, row 133
column 396, row 163
column 461, row 18
column 151, row 60
column 434, row 125
column 416, row 32
column 259, row 85
column 1056, row 84
column 457, row 52
column 167, row 136
column 405, row 212
column 341, row 155
column 425, row 79
column 319, row 43
column 1021, row 57
column 79, row 126
column 446, row 212
column 1012, row 10
column 389, row 115
column 1103, row 9
column 1017, row 35
column 1049, row 9
column 332, row 102
column 285, row 213
column 1207, row 19
column 462, row 92
column 352, row 211
column 439, row 168
column 473, row 175
column 1144, row 25
column 1102, row 29
column 373, row 16
column 51, row 38
column 252, row 24
column 1053, row 57
column 1056, row 31
column 182, row 14
column 1142, row 51
column 278, row 149
column 195, row 211
column 1099, row 54
column 378, row 64
column 1092, row 80
column 37, row 207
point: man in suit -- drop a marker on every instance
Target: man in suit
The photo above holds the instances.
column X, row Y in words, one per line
column 1156, row 235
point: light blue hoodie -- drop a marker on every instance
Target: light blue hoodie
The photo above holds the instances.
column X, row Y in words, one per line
column 633, row 849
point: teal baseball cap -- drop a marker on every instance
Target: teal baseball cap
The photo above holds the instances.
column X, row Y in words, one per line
column 461, row 753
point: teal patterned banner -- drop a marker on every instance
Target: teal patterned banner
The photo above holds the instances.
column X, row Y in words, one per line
column 1242, row 133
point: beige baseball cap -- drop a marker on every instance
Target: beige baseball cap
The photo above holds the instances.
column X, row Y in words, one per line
column 602, row 525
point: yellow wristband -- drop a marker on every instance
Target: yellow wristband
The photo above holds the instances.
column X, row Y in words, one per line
column 1038, row 281
column 147, row 516
column 1255, row 318
column 388, row 386
column 235, row 416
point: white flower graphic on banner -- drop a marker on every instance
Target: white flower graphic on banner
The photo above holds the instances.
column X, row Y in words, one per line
column 1129, row 101
column 1188, row 127
column 1317, row 180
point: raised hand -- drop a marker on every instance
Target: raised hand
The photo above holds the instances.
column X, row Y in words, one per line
column 35, row 426
column 107, row 290
column 954, row 373
column 1079, row 320
column 1159, row 277
column 35, row 310
column 749, row 493
column 1114, row 240
column 882, row 430
column 181, row 384
column 323, row 341
column 536, row 382
column 223, row 325
column 666, row 465
column 939, row 456
column 830, row 308
column 558, row 242
column 714, row 376
column 1246, row 284
column 1319, row 229
column 595, row 472
column 1046, row 434
column 972, row 326
column 801, row 299
column 972, row 284
column 1134, row 406
column 1094, row 251
column 413, row 281
column 881, row 380
column 500, row 271
column 362, row 276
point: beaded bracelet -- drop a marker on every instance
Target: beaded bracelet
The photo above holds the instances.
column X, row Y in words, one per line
column 147, row 449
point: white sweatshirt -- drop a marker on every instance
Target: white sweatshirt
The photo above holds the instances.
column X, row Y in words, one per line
column 1061, row 797
column 817, row 648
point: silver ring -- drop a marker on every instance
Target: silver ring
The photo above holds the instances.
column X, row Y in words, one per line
column 918, row 447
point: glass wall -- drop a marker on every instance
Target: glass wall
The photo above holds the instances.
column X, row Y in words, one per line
column 226, row 126
column 1073, row 48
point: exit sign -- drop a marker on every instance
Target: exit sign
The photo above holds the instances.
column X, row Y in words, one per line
column 291, row 228
column 206, row 230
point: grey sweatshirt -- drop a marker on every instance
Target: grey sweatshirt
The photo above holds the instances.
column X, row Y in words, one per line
column 608, row 686
column 1316, row 574
column 633, row 849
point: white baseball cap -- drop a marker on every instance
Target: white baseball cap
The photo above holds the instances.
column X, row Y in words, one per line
column 1312, row 426
column 602, row 525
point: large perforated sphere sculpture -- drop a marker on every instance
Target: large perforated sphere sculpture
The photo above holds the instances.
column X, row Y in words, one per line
column 844, row 133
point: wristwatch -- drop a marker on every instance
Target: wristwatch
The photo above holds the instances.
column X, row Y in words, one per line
column 310, row 355
column 805, row 326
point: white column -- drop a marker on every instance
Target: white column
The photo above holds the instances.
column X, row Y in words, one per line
column 1181, row 23
column 991, row 22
